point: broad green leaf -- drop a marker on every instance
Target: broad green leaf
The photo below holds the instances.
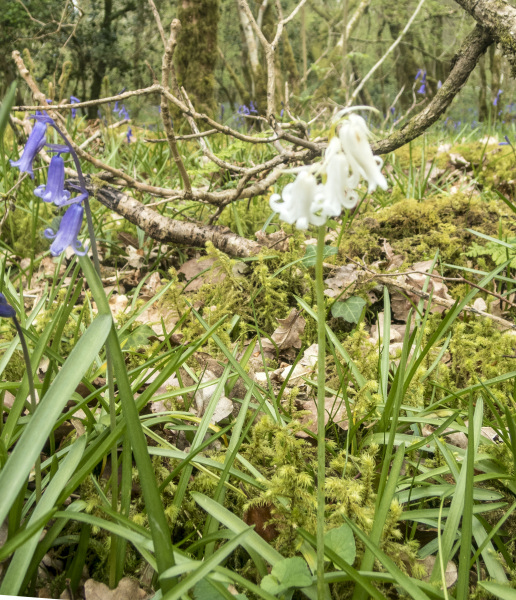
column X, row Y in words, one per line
column 209, row 590
column 286, row 574
column 309, row 259
column 498, row 589
column 20, row 462
column 342, row 542
column 349, row 310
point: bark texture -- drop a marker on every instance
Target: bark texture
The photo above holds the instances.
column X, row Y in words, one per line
column 498, row 17
column 166, row 229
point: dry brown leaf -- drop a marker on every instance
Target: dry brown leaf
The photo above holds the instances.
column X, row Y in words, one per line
column 259, row 516
column 152, row 317
column 342, row 278
column 277, row 240
column 400, row 305
column 117, row 304
column 203, row 396
column 193, row 267
column 128, row 589
column 287, row 335
column 450, row 575
column 333, row 407
column 152, row 284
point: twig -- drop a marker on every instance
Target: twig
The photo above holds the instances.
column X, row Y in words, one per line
column 158, row 23
column 389, row 50
column 166, row 66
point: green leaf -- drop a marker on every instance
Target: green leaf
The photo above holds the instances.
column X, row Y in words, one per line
column 19, row 464
column 209, row 590
column 349, row 310
column 499, row 590
column 287, row 573
column 309, row 259
column 6, row 107
column 138, row 338
column 342, row 542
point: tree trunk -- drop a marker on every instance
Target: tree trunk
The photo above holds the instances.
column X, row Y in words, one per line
column 100, row 66
column 196, row 52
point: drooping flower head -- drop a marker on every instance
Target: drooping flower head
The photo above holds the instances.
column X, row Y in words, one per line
column 129, row 134
column 354, row 135
column 67, row 234
column 54, row 190
column 297, row 204
column 422, row 89
column 348, row 157
column 35, row 143
column 6, row 310
column 497, row 97
column 74, row 100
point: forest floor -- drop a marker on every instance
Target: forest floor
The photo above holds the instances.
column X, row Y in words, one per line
column 221, row 355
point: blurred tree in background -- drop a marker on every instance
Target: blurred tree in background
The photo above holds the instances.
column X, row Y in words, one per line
column 89, row 48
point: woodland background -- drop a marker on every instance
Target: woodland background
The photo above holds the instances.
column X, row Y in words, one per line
column 97, row 48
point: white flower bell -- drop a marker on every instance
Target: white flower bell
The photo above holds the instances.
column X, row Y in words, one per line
column 353, row 135
column 347, row 158
column 297, row 203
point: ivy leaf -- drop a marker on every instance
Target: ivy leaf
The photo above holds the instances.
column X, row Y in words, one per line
column 287, row 573
column 309, row 259
column 349, row 310
column 207, row 590
column 342, row 542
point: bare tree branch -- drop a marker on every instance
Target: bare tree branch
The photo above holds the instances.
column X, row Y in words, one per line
column 475, row 44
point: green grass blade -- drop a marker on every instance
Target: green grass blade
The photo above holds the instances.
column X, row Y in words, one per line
column 18, row 466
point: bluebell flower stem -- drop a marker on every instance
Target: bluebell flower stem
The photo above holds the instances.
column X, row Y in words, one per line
column 109, row 367
column 33, row 401
column 321, row 429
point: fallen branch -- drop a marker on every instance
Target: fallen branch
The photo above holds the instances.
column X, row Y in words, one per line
column 166, row 229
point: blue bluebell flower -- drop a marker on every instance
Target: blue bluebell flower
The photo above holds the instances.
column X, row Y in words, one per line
column 35, row 142
column 54, row 190
column 422, row 89
column 439, row 84
column 129, row 134
column 252, row 108
column 418, row 74
column 496, row 98
column 6, row 310
column 506, row 143
column 74, row 100
column 68, row 231
column 123, row 112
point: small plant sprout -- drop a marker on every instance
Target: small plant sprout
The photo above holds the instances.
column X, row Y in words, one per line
column 305, row 202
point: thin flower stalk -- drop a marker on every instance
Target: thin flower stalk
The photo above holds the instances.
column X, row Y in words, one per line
column 8, row 312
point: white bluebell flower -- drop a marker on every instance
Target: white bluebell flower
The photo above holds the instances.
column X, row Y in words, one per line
column 353, row 135
column 298, row 202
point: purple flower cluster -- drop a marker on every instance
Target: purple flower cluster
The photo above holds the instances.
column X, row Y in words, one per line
column 6, row 310
column 496, row 98
column 421, row 74
column 74, row 100
column 53, row 191
column 123, row 113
